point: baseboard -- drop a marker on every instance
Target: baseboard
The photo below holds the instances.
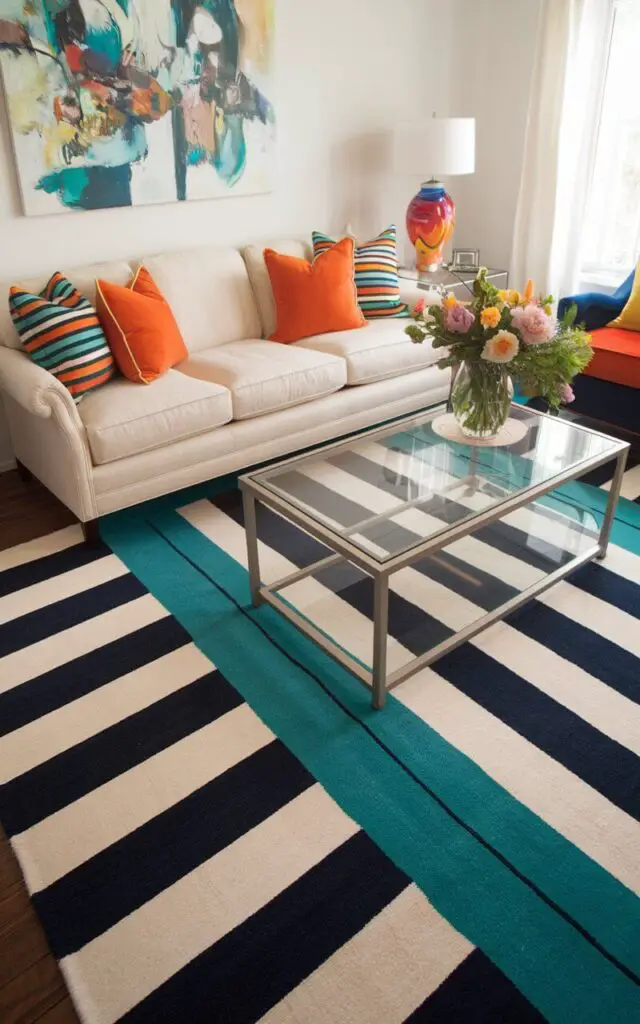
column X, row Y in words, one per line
column 6, row 466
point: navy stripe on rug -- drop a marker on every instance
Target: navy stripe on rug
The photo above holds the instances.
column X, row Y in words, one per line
column 40, row 569
column 597, row 580
column 282, row 944
column 596, row 655
column 60, row 781
column 52, row 690
column 127, row 874
column 54, row 618
column 476, row 992
column 596, row 758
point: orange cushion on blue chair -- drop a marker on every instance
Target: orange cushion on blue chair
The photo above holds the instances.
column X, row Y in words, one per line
column 616, row 356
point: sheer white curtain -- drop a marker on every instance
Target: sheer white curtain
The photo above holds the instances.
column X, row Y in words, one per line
column 560, row 143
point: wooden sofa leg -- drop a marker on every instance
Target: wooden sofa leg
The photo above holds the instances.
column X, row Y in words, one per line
column 91, row 533
column 25, row 474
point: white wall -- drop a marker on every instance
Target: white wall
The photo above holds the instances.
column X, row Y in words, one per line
column 493, row 52
column 345, row 69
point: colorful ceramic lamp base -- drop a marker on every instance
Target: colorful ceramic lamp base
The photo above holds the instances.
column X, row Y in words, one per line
column 431, row 218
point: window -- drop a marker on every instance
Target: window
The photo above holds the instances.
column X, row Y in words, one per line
column 611, row 246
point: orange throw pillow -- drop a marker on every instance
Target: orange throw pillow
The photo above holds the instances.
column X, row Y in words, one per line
column 314, row 298
column 141, row 329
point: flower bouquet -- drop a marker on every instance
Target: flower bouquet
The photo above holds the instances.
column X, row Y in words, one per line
column 498, row 336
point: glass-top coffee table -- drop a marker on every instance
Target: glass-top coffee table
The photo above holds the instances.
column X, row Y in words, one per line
column 401, row 498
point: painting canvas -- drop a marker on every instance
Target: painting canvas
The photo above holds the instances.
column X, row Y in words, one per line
column 127, row 102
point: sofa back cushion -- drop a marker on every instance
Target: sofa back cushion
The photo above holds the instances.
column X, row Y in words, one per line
column 84, row 279
column 209, row 293
column 259, row 275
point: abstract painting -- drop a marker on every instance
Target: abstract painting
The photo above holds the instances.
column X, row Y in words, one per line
column 128, row 102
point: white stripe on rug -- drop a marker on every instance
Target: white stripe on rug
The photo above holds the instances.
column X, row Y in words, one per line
column 60, row 648
column 57, row 588
column 62, row 729
column 121, row 967
column 383, row 973
column 83, row 828
column 528, row 773
column 40, row 547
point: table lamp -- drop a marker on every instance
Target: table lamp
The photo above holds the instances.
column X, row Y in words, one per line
column 444, row 145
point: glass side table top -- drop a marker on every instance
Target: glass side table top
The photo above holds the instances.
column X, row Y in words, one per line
column 390, row 490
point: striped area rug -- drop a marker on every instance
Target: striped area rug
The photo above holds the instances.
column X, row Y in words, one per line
column 216, row 827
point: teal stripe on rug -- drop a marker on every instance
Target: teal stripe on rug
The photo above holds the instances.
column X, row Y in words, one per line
column 555, row 966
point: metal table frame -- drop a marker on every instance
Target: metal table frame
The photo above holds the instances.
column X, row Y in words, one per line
column 378, row 681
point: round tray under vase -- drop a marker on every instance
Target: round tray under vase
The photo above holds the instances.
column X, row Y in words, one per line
column 511, row 432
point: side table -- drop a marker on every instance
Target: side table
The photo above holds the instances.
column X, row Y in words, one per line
column 460, row 281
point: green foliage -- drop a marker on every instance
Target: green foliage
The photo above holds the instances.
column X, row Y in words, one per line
column 544, row 369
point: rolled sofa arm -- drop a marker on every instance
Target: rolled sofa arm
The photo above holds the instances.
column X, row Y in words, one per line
column 35, row 389
column 411, row 294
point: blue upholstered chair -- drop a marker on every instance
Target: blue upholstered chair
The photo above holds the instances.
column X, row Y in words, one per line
column 596, row 309
column 609, row 390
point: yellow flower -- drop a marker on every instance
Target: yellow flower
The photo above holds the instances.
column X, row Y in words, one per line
column 490, row 317
column 449, row 301
column 548, row 309
column 510, row 296
column 501, row 348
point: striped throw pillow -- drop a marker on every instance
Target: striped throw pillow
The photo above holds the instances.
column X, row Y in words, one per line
column 377, row 281
column 61, row 332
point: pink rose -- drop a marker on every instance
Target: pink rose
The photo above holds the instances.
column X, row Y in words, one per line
column 567, row 395
column 419, row 307
column 458, row 319
column 534, row 324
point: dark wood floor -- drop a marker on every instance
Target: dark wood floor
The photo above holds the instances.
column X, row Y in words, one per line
column 31, row 985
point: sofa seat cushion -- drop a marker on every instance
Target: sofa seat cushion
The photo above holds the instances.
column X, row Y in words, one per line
column 616, row 356
column 263, row 376
column 124, row 418
column 382, row 350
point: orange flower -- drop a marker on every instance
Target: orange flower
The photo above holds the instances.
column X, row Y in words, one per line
column 449, row 301
column 528, row 293
column 490, row 317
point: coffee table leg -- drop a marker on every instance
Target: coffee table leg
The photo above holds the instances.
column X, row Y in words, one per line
column 614, row 494
column 380, row 633
column 253, row 557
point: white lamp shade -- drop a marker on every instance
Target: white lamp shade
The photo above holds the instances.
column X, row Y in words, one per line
column 436, row 146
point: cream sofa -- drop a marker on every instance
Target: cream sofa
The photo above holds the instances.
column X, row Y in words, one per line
column 236, row 401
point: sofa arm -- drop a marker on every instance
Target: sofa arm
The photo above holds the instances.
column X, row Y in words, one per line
column 411, row 293
column 35, row 389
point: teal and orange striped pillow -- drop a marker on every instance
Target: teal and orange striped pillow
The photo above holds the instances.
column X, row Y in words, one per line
column 376, row 269
column 61, row 332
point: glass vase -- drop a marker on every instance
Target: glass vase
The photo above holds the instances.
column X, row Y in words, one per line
column 480, row 398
